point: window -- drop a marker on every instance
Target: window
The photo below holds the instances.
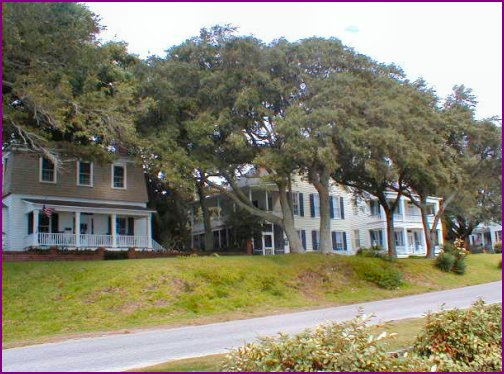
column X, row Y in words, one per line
column 339, row 241
column 398, row 238
column 30, row 223
column 302, row 237
column 498, row 236
column 357, row 238
column 118, row 176
column 431, row 208
column 376, row 237
column 84, row 173
column 315, row 205
column 125, row 225
column 374, row 208
column 315, row 240
column 295, row 203
column 47, row 171
column 336, row 207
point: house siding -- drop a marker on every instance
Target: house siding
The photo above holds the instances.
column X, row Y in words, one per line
column 22, row 177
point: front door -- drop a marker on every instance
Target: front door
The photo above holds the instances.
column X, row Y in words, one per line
column 411, row 241
column 267, row 239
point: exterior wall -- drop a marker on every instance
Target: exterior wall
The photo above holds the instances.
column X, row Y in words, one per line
column 22, row 177
column 357, row 215
column 5, row 232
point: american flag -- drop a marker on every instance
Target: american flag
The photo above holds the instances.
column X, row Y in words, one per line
column 47, row 211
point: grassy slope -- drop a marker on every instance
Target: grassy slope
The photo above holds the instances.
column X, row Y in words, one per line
column 42, row 300
column 406, row 330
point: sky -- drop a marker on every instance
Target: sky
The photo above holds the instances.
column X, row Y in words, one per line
column 444, row 43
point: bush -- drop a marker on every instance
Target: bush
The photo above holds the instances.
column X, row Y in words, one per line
column 382, row 274
column 115, row 255
column 468, row 339
column 459, row 266
column 375, row 251
column 346, row 346
column 498, row 247
column 445, row 262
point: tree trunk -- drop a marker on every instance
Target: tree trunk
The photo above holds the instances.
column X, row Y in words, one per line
column 207, row 222
column 325, row 214
column 427, row 231
column 295, row 244
column 389, row 215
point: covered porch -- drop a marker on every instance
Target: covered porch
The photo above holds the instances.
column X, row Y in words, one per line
column 87, row 225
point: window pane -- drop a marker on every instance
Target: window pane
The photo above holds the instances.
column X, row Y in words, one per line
column 119, row 176
column 85, row 173
column 47, row 170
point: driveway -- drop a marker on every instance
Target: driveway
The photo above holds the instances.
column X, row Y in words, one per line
column 126, row 351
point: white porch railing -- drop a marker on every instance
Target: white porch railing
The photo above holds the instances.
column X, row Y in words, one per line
column 408, row 250
column 134, row 241
column 56, row 239
column 89, row 240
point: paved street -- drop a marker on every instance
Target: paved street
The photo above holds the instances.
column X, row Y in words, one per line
column 126, row 351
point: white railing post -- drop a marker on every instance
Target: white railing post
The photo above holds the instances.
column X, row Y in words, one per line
column 77, row 229
column 113, row 219
column 35, row 227
column 406, row 242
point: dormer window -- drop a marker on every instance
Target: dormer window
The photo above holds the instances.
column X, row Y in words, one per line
column 119, row 176
column 85, row 173
column 47, row 171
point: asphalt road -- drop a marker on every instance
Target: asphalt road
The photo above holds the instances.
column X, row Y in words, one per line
column 126, row 351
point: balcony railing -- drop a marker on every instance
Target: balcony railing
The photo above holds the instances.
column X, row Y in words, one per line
column 87, row 240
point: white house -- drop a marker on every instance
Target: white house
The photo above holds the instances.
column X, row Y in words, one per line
column 353, row 225
column 486, row 235
column 81, row 204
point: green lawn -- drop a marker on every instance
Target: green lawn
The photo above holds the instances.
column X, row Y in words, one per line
column 406, row 331
column 49, row 300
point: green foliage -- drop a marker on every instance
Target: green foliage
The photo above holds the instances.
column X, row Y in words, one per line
column 497, row 247
column 445, row 261
column 459, row 266
column 243, row 226
column 344, row 346
column 456, row 340
column 115, row 255
column 382, row 274
column 471, row 339
column 375, row 251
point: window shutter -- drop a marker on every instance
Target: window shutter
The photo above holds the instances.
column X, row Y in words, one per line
column 301, row 205
column 342, row 208
column 131, row 226
column 381, row 238
column 333, row 235
column 345, row 246
column 303, row 239
column 54, row 222
column 331, row 206
column 30, row 223
column 312, row 205
column 314, row 240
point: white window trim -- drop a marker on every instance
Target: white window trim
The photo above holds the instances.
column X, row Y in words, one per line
column 91, row 176
column 55, row 180
column 112, row 175
column 295, row 203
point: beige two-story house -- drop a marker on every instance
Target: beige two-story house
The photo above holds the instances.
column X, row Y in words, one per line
column 80, row 204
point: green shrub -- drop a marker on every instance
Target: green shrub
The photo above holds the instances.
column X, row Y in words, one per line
column 459, row 266
column 115, row 255
column 497, row 247
column 374, row 251
column 471, row 339
column 382, row 274
column 445, row 261
column 346, row 346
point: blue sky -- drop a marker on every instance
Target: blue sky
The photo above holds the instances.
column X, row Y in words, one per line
column 445, row 43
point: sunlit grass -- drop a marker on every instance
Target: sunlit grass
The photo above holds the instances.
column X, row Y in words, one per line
column 49, row 299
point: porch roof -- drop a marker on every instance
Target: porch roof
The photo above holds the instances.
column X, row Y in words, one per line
column 80, row 204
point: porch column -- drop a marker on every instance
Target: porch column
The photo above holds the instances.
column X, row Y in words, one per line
column 149, row 231
column 385, row 239
column 113, row 228
column 77, row 229
column 403, row 209
column 266, row 202
column 36, row 213
column 424, row 241
column 406, row 244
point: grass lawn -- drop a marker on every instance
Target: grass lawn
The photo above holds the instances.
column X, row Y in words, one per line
column 406, row 330
column 44, row 301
